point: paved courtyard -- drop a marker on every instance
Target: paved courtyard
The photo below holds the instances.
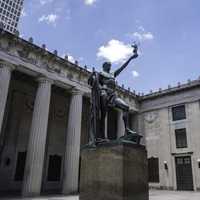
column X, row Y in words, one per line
column 154, row 195
column 173, row 195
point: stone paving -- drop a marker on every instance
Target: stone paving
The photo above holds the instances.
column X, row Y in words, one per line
column 173, row 195
column 154, row 195
column 45, row 198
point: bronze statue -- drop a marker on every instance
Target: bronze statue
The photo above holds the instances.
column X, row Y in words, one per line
column 103, row 97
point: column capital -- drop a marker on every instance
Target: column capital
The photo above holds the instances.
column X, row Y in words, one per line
column 43, row 79
column 76, row 91
column 6, row 65
column 119, row 111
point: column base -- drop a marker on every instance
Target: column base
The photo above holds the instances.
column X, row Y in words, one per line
column 114, row 172
column 30, row 195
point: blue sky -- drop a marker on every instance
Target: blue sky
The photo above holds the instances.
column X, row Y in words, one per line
column 93, row 31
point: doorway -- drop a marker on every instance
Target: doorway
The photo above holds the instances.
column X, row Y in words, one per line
column 184, row 173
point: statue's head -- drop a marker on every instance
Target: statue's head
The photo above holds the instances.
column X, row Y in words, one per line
column 106, row 66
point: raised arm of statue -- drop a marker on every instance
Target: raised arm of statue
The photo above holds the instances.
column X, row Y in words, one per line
column 120, row 69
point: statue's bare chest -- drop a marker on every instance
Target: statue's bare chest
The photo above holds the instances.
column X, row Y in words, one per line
column 108, row 80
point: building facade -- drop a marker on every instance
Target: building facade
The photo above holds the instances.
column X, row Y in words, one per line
column 44, row 119
column 10, row 11
column 170, row 123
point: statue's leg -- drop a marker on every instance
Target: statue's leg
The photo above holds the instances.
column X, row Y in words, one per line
column 103, row 116
column 125, row 118
column 102, row 132
column 119, row 103
column 129, row 134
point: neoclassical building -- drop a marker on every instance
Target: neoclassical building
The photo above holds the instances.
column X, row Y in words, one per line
column 171, row 124
column 44, row 118
column 44, row 121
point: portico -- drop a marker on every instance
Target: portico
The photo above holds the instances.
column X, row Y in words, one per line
column 44, row 119
column 37, row 140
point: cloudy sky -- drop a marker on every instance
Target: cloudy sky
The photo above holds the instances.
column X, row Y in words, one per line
column 92, row 31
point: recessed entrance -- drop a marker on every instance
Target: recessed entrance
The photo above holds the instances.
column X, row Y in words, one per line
column 54, row 169
column 184, row 173
column 20, row 167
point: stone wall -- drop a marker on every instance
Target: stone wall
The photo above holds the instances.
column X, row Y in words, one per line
column 159, row 130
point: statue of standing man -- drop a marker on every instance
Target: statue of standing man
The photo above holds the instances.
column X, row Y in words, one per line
column 104, row 97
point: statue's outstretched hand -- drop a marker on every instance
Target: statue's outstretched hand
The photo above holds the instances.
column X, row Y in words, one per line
column 135, row 51
column 135, row 55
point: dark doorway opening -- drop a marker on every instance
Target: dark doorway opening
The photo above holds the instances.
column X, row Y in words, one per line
column 184, row 173
column 54, row 169
column 20, row 167
column 52, row 178
column 153, row 170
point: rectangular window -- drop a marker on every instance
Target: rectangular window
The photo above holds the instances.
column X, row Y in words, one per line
column 153, row 168
column 181, row 138
column 178, row 113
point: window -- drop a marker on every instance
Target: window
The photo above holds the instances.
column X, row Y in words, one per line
column 178, row 113
column 153, row 168
column 181, row 138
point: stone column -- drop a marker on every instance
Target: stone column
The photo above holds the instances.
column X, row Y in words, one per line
column 72, row 152
column 37, row 140
column 5, row 75
column 120, row 124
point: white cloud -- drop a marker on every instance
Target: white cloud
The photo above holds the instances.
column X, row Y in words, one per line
column 49, row 19
column 43, row 2
column 135, row 74
column 148, row 36
column 70, row 57
column 115, row 51
column 89, row 2
column 141, row 28
column 21, row 35
column 141, row 34
column 23, row 14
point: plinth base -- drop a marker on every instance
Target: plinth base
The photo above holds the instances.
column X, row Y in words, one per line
column 114, row 172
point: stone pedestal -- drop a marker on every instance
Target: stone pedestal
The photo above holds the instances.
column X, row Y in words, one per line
column 114, row 172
